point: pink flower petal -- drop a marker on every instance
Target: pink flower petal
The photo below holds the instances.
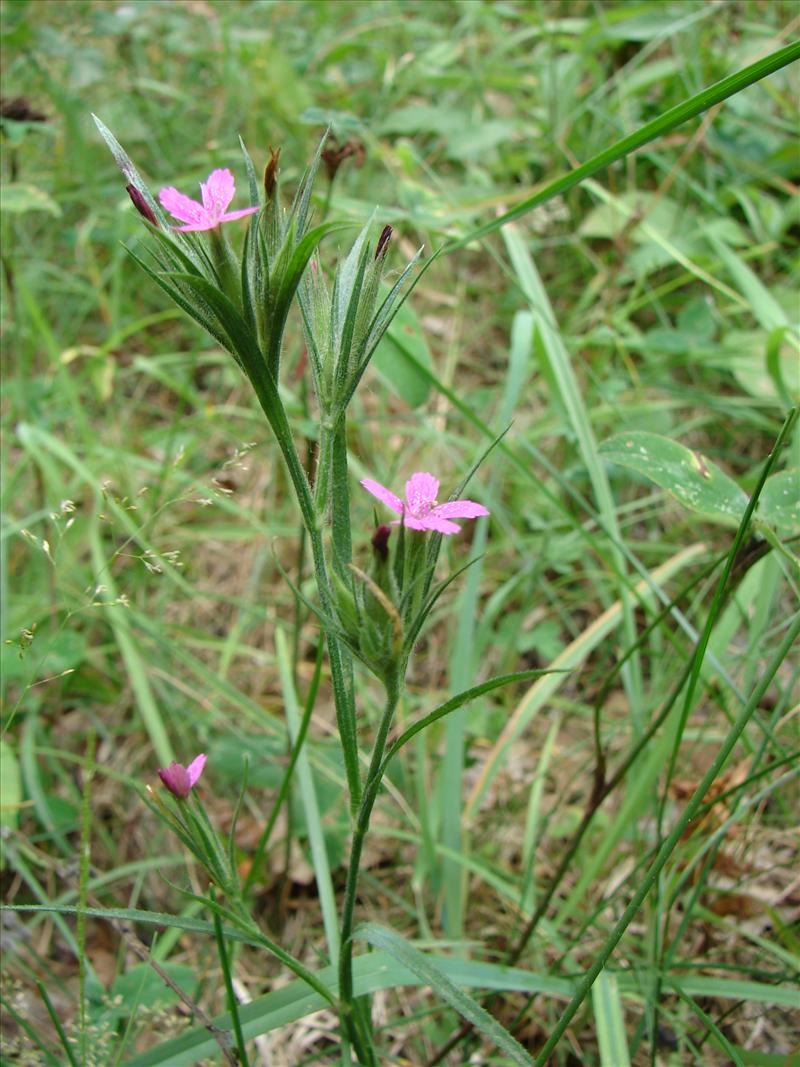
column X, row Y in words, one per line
column 384, row 495
column 206, row 224
column 240, row 214
column 421, row 490
column 176, row 779
column 412, row 523
column 434, row 521
column 218, row 190
column 184, row 208
column 195, row 768
column 460, row 509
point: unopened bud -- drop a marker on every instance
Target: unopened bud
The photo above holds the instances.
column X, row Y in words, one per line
column 271, row 172
column 380, row 542
column 141, row 204
column 383, row 241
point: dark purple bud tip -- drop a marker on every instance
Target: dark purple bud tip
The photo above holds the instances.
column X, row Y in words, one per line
column 380, row 542
column 271, row 172
column 383, row 241
column 141, row 204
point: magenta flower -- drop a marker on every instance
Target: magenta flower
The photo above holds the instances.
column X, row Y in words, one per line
column 217, row 191
column 179, row 779
column 421, row 510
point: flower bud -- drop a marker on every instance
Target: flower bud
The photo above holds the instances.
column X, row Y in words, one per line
column 383, row 241
column 180, row 780
column 141, row 204
column 380, row 542
column 271, row 172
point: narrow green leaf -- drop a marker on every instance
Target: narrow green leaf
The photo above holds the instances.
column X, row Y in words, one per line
column 200, row 314
column 286, row 276
column 664, row 124
column 557, row 363
column 457, row 702
column 431, row 974
column 765, row 308
column 233, row 1003
column 255, row 200
column 242, row 340
column 610, row 1022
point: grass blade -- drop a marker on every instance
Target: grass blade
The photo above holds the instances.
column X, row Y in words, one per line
column 610, row 1022
column 316, row 835
column 664, row 124
column 425, row 969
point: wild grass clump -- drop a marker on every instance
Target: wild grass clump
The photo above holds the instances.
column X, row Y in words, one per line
column 400, row 546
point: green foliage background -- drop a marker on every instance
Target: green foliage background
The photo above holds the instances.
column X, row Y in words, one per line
column 663, row 299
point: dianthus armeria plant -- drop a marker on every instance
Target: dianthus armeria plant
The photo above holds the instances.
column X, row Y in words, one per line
column 239, row 281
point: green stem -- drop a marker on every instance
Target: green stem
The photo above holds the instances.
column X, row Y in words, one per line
column 238, row 915
column 267, row 392
column 324, row 464
column 233, row 1003
column 374, row 776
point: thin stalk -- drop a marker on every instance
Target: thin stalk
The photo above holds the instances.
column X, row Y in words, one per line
column 51, row 1011
column 239, row 916
column 324, row 464
column 311, row 454
column 374, row 775
column 85, row 859
column 233, row 1003
column 287, row 777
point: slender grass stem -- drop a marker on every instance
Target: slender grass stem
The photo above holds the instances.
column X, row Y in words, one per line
column 667, row 847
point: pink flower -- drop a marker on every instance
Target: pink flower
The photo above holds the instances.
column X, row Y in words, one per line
column 217, row 192
column 179, row 779
column 421, row 510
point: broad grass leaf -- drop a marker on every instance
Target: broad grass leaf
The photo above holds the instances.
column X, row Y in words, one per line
column 10, row 786
column 18, row 198
column 625, row 212
column 141, row 987
column 779, row 503
column 690, row 477
column 404, row 337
